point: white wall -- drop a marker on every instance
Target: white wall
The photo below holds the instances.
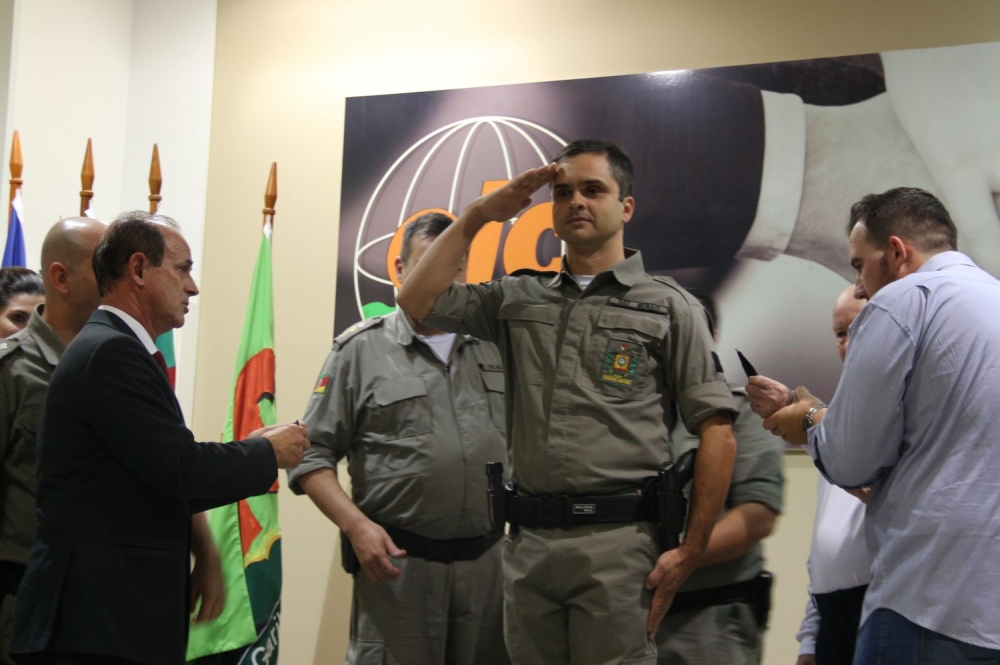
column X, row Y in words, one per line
column 126, row 74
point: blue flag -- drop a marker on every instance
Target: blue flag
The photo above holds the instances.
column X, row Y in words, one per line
column 14, row 253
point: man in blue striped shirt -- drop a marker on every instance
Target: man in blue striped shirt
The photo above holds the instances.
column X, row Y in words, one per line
column 916, row 416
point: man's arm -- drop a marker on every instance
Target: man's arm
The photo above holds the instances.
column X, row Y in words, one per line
column 206, row 577
column 436, row 270
column 712, row 472
column 738, row 531
column 371, row 543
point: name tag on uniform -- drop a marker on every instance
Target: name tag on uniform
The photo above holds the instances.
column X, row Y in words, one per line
column 640, row 306
column 621, row 362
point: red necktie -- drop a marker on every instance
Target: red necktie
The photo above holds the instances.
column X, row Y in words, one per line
column 161, row 361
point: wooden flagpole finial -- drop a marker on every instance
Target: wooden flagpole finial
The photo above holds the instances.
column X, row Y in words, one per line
column 16, row 166
column 271, row 193
column 155, row 181
column 87, row 179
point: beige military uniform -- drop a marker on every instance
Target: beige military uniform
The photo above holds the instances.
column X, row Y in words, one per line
column 417, row 435
column 595, row 380
column 27, row 360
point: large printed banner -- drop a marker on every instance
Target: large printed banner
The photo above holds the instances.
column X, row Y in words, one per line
column 745, row 178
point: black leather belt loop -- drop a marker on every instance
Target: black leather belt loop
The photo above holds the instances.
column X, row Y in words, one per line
column 10, row 577
column 442, row 551
column 551, row 511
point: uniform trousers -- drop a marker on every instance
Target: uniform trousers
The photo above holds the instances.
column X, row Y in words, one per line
column 719, row 635
column 577, row 595
column 435, row 613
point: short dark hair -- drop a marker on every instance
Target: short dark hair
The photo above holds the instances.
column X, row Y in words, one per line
column 907, row 212
column 131, row 232
column 15, row 281
column 621, row 166
column 430, row 225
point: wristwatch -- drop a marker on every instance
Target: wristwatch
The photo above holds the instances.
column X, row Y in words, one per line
column 807, row 421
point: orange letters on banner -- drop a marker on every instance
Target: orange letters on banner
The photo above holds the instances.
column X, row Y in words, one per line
column 520, row 249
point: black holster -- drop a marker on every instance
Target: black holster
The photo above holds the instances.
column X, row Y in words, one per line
column 671, row 503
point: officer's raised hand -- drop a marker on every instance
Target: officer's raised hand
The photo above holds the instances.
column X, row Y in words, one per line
column 502, row 204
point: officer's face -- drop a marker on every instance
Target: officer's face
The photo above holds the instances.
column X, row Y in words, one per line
column 17, row 313
column 419, row 245
column 586, row 212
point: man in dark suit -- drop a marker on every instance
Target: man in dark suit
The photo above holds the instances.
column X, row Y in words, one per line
column 120, row 475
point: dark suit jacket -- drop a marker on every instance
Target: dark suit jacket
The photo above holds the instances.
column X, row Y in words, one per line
column 119, row 475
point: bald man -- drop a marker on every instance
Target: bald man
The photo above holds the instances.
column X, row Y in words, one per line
column 27, row 360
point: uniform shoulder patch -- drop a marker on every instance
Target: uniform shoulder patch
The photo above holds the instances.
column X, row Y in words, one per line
column 357, row 329
column 8, row 346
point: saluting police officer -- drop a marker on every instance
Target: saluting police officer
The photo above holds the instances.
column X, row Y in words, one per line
column 418, row 414
column 598, row 359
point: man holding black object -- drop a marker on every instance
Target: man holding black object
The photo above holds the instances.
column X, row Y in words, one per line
column 119, row 474
column 598, row 359
column 418, row 414
column 915, row 416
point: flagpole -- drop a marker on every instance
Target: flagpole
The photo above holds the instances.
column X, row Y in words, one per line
column 87, row 180
column 155, row 181
column 16, row 166
column 271, row 194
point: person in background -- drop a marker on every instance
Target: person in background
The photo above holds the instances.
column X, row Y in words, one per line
column 720, row 613
column 418, row 413
column 21, row 290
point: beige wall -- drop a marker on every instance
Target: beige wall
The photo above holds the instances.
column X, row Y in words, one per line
column 126, row 74
column 282, row 73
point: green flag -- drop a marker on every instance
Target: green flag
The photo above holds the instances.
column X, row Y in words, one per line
column 247, row 533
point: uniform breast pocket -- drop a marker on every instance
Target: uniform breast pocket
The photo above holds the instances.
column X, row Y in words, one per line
column 494, row 385
column 532, row 329
column 621, row 358
column 401, row 408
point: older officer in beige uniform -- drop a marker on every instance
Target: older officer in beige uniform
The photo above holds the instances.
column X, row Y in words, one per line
column 27, row 360
column 418, row 414
column 599, row 359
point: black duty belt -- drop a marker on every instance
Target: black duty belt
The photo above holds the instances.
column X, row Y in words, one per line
column 11, row 573
column 442, row 551
column 549, row 511
column 755, row 592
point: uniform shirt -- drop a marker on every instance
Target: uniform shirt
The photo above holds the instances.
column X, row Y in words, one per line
column 27, row 360
column 594, row 377
column 757, row 478
column 417, row 433
column 838, row 558
column 916, row 415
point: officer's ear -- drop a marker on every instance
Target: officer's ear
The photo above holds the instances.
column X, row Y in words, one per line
column 59, row 277
column 628, row 209
column 399, row 269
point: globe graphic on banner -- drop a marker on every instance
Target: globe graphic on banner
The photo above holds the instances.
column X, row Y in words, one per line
column 443, row 172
